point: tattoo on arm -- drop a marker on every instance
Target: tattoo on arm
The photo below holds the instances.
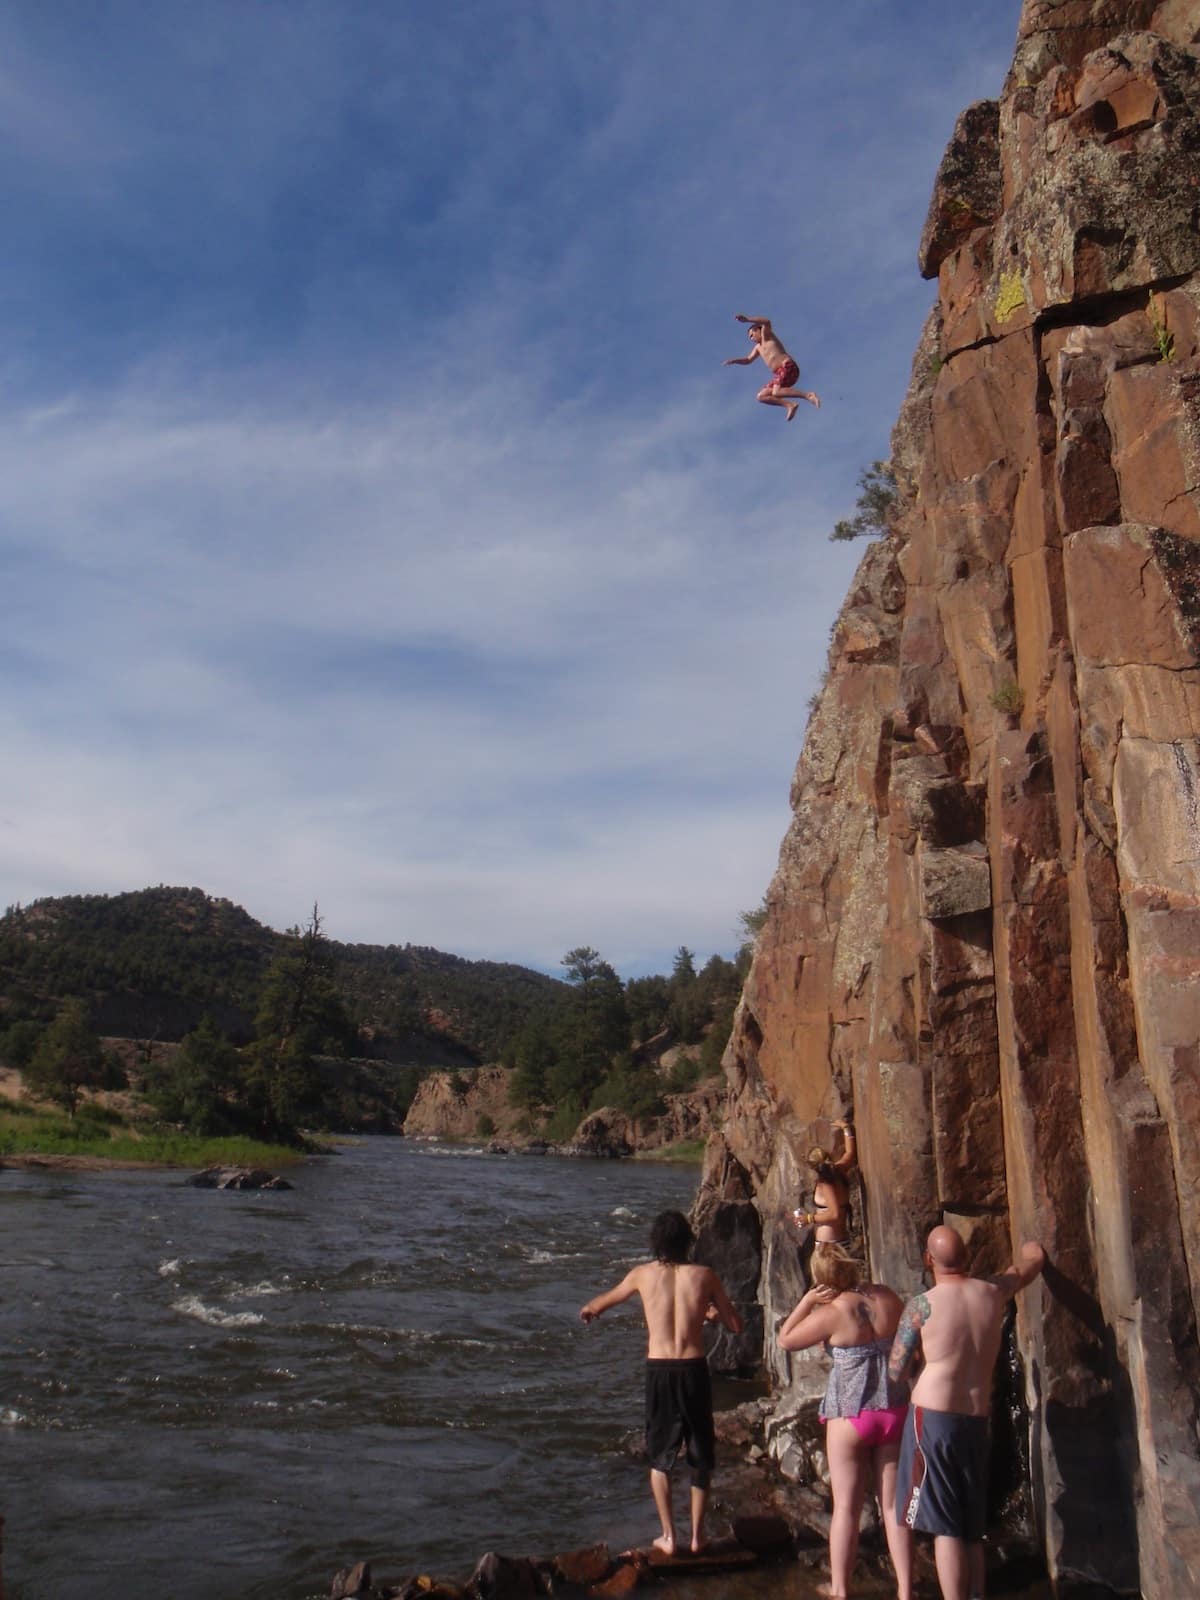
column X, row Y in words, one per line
column 906, row 1346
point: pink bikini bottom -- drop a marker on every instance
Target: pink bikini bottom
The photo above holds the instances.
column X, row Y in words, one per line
column 879, row 1427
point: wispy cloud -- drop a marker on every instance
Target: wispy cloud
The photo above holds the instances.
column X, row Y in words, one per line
column 378, row 523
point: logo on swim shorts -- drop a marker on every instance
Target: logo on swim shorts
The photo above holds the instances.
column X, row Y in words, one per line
column 910, row 1516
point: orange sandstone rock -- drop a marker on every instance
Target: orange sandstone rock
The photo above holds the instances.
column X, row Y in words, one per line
column 983, row 936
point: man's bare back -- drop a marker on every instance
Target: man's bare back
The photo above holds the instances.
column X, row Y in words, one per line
column 954, row 1329
column 676, row 1298
column 960, row 1340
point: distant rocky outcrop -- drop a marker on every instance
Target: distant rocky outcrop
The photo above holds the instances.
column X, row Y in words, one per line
column 475, row 1106
column 983, row 937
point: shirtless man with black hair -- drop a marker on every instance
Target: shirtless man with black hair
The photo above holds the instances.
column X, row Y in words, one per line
column 952, row 1334
column 678, row 1298
column 781, row 390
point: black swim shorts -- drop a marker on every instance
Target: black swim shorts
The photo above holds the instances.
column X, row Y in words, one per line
column 679, row 1412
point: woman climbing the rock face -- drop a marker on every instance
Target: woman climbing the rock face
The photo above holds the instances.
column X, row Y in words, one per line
column 863, row 1409
column 830, row 1212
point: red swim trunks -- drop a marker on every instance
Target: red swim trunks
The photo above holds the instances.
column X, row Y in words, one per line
column 786, row 374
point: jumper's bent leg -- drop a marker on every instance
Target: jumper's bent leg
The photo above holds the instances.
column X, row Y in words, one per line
column 802, row 394
column 660, row 1488
column 772, row 395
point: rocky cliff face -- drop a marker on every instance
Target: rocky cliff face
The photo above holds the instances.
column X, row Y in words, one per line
column 983, row 939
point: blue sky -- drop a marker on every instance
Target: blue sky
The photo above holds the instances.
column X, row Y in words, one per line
column 378, row 525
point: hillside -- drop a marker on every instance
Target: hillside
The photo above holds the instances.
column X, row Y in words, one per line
column 153, row 962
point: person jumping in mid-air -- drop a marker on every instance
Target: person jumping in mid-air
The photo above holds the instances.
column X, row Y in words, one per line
column 781, row 391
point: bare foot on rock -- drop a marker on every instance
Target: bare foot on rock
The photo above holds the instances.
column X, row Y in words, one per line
column 665, row 1543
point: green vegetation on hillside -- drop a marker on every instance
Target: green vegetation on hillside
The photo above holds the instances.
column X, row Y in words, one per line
column 152, row 964
column 239, row 1032
column 603, row 1046
column 68, row 1058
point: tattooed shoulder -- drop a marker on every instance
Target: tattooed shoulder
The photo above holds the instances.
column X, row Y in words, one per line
column 908, row 1336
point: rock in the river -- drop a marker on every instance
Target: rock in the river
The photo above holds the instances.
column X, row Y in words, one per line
column 237, row 1178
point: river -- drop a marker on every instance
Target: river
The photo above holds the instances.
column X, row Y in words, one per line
column 228, row 1395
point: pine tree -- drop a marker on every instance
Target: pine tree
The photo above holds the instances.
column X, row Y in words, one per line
column 592, row 1030
column 300, row 1015
column 70, row 1058
column 195, row 1086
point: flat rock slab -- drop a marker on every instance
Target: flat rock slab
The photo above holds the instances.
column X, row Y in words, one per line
column 723, row 1555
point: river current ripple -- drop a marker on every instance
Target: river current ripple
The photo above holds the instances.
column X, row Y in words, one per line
column 228, row 1395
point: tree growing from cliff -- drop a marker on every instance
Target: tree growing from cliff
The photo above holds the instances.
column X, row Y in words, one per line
column 878, row 504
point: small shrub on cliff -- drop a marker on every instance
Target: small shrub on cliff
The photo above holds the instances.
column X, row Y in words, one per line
column 1009, row 698
column 485, row 1128
column 1164, row 341
column 750, row 925
column 878, row 504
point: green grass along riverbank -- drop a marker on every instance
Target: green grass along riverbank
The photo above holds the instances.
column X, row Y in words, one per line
column 96, row 1134
column 99, row 1136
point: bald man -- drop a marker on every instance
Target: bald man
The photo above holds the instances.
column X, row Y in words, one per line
column 952, row 1334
